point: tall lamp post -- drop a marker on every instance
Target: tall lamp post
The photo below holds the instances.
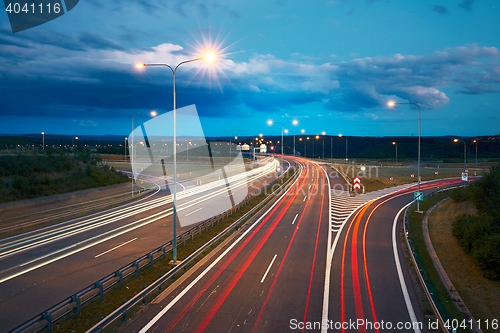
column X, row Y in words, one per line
column 125, row 146
column 396, row 144
column 323, row 137
column 340, row 135
column 392, row 104
column 475, row 141
column 153, row 113
column 209, row 57
column 465, row 153
column 293, row 122
column 43, row 142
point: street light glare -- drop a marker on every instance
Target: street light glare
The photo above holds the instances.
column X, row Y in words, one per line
column 210, row 56
column 295, row 122
column 455, row 140
column 153, row 113
column 323, row 133
column 269, row 122
column 391, row 104
column 340, row 135
column 139, row 66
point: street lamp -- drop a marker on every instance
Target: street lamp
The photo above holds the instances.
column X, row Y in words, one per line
column 73, row 145
column 465, row 152
column 475, row 141
column 208, row 57
column 340, row 135
column 395, row 143
column 125, row 146
column 293, row 122
column 323, row 137
column 392, row 104
column 153, row 113
column 43, row 141
column 317, row 138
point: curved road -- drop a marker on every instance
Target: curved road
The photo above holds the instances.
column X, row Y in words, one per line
column 42, row 268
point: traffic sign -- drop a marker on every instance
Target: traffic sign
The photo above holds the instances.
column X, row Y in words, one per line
column 465, row 176
column 356, row 184
column 418, row 196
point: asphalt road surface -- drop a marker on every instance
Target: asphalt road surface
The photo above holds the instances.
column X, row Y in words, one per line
column 42, row 268
column 316, row 260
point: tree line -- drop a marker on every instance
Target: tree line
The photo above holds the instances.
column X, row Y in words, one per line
column 479, row 235
column 30, row 176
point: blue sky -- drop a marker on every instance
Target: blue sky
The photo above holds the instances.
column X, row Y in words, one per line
column 332, row 65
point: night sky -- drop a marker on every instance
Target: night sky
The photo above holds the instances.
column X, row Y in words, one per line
column 331, row 65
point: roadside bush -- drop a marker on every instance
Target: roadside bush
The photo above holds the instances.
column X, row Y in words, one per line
column 469, row 230
column 461, row 194
column 486, row 253
column 480, row 235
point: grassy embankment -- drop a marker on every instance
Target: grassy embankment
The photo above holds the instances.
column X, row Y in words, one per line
column 481, row 295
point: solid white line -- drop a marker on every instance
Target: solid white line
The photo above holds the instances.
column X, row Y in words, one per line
column 194, row 211
column 305, row 198
column 409, row 306
column 215, row 262
column 296, row 215
column 116, row 247
column 268, row 268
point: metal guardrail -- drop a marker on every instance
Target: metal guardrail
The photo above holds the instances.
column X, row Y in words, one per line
column 73, row 304
column 413, row 259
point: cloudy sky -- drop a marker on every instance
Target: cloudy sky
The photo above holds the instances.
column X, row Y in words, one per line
column 332, row 65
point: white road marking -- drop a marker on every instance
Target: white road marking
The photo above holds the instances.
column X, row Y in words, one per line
column 268, row 268
column 305, row 198
column 296, row 215
column 116, row 247
column 202, row 274
column 409, row 306
column 194, row 211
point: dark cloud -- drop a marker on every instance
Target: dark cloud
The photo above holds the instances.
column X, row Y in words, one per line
column 97, row 42
column 101, row 81
column 466, row 5
column 440, row 9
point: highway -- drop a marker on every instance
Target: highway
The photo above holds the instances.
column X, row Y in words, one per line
column 273, row 270
column 318, row 259
column 369, row 276
column 39, row 269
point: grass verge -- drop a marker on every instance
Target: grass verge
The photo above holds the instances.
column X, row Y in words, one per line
column 96, row 310
column 481, row 295
column 431, row 277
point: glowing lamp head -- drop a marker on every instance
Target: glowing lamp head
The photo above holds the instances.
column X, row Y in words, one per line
column 340, row 135
column 269, row 122
column 140, row 66
column 394, row 142
column 153, row 113
column 295, row 122
column 210, row 57
column 391, row 104
column 455, row 140
column 323, row 133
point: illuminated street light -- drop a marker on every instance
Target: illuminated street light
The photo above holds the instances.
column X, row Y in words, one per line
column 465, row 153
column 395, row 143
column 209, row 57
column 293, row 122
column 475, row 141
column 153, row 113
column 43, row 141
column 392, row 104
